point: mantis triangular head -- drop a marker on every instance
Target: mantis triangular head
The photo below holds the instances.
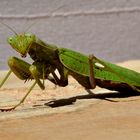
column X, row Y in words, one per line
column 22, row 42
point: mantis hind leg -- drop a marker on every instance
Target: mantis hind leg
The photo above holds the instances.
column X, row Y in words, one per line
column 91, row 72
column 88, row 82
column 117, row 74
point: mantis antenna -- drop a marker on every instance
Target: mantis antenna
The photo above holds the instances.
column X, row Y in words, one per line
column 29, row 27
column 36, row 22
column 9, row 28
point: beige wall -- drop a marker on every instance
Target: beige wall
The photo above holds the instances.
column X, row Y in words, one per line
column 110, row 29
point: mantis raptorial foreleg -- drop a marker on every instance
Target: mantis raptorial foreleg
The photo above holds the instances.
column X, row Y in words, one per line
column 25, row 71
column 35, row 73
column 21, row 69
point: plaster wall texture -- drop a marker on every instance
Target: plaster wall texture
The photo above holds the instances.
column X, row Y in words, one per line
column 108, row 29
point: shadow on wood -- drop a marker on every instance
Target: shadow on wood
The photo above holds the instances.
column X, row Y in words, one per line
column 91, row 95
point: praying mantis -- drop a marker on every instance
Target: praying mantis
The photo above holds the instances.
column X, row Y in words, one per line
column 89, row 71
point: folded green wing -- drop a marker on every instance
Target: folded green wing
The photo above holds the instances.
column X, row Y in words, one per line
column 78, row 63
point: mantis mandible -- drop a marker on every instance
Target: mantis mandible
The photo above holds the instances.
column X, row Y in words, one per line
column 89, row 71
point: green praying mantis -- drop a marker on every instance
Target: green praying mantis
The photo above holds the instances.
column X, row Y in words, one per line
column 89, row 71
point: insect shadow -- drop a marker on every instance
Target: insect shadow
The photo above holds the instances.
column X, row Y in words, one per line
column 91, row 95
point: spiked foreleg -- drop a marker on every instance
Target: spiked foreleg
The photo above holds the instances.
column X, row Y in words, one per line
column 24, row 71
column 19, row 67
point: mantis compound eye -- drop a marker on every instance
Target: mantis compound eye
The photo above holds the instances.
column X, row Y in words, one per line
column 10, row 40
column 28, row 35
